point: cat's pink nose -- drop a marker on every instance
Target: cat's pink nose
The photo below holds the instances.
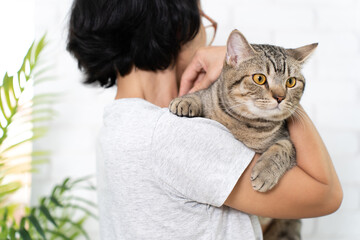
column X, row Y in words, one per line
column 279, row 98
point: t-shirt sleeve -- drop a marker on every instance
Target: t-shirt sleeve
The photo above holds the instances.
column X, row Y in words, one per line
column 198, row 158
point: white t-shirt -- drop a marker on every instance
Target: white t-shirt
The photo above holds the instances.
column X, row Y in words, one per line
column 165, row 177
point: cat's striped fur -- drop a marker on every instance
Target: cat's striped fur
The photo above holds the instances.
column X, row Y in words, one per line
column 255, row 113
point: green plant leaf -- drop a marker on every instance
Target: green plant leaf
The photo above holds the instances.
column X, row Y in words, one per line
column 18, row 168
column 41, row 119
column 90, row 187
column 37, row 133
column 43, row 111
column 58, row 234
column 4, row 229
column 64, row 185
column 43, row 70
column 40, row 46
column 82, row 220
column 83, row 200
column 54, row 200
column 5, row 214
column 85, row 178
column 59, row 189
column 8, row 188
column 10, row 209
column 44, row 79
column 37, row 226
column 24, row 234
column 47, row 214
column 76, row 225
column 34, row 155
column 42, row 201
column 47, row 96
column 30, row 111
column 32, row 119
column 78, row 207
column 8, row 89
column 40, row 161
column 12, row 233
column 22, row 223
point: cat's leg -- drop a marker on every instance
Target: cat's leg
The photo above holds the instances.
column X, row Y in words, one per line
column 283, row 229
column 272, row 165
column 189, row 105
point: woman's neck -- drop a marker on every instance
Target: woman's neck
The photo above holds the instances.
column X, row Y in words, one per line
column 158, row 87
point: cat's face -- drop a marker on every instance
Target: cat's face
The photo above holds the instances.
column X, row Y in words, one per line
column 263, row 81
column 264, row 88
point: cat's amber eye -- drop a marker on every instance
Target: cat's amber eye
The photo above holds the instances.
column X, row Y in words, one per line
column 291, row 82
column 259, row 79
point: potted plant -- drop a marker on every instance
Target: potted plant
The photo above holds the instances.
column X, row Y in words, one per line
column 61, row 214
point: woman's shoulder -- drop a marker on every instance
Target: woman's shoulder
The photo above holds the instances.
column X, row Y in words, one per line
column 170, row 124
column 190, row 134
column 129, row 108
column 136, row 122
column 136, row 112
column 129, row 123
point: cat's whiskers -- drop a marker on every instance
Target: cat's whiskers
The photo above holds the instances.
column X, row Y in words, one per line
column 243, row 113
column 295, row 117
column 289, row 108
column 299, row 116
column 236, row 105
column 300, row 113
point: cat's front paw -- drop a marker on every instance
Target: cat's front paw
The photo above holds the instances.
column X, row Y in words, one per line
column 185, row 107
column 266, row 173
column 272, row 165
column 262, row 177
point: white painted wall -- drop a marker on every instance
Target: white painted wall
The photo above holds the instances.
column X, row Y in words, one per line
column 331, row 97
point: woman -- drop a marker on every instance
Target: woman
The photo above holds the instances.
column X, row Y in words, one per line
column 165, row 177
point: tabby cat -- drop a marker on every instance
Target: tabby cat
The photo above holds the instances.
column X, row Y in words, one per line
column 260, row 86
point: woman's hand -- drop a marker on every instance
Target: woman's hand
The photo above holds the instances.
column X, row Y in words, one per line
column 203, row 70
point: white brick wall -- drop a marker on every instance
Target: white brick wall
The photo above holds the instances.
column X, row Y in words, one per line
column 331, row 97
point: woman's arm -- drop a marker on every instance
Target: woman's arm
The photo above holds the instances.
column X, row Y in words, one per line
column 310, row 189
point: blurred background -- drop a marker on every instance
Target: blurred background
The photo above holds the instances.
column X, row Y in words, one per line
column 331, row 96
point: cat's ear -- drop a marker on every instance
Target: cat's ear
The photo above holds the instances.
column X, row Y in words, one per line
column 302, row 53
column 238, row 49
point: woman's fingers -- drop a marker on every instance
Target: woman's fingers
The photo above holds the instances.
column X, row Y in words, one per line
column 202, row 83
column 203, row 70
column 190, row 75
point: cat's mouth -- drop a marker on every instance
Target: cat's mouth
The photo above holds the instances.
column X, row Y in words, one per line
column 269, row 106
column 271, row 111
column 277, row 107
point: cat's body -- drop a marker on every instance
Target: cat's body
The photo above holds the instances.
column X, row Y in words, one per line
column 257, row 134
column 259, row 88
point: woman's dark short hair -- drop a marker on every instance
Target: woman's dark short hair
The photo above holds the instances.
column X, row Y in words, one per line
column 107, row 36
